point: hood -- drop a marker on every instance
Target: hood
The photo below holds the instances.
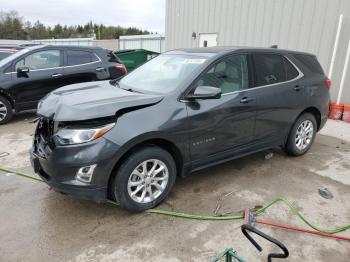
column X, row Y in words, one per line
column 91, row 100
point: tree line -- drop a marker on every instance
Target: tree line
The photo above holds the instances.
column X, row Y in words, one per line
column 13, row 26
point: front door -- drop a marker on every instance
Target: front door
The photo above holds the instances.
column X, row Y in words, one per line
column 226, row 124
column 45, row 74
column 208, row 40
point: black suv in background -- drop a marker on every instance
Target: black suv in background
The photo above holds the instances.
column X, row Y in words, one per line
column 180, row 112
column 29, row 74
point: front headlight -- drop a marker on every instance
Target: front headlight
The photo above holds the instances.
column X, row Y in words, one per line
column 69, row 136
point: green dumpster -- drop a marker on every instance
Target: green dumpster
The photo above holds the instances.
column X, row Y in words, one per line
column 133, row 58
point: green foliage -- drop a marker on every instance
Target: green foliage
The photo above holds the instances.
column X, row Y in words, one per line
column 13, row 27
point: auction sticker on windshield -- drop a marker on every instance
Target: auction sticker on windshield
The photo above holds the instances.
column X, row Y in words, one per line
column 194, row 61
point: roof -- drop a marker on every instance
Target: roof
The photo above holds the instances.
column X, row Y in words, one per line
column 63, row 46
column 226, row 49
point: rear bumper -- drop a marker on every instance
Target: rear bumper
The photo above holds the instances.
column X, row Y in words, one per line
column 323, row 122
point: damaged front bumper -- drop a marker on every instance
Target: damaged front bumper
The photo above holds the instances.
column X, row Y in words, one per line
column 58, row 166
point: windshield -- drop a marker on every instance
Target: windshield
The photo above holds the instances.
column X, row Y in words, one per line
column 163, row 74
column 13, row 56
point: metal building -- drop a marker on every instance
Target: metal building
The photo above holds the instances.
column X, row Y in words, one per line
column 153, row 42
column 321, row 27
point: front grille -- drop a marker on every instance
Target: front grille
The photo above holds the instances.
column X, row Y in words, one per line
column 46, row 129
column 43, row 140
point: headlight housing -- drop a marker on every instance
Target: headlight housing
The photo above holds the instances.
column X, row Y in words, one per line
column 71, row 136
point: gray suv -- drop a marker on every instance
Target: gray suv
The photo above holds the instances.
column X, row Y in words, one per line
column 185, row 110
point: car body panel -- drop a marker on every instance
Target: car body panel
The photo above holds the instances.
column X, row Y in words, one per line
column 217, row 126
column 203, row 132
column 86, row 101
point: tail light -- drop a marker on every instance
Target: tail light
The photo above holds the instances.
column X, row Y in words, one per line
column 328, row 83
column 121, row 69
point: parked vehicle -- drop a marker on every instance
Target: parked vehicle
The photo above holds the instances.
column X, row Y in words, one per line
column 180, row 112
column 7, row 50
column 29, row 74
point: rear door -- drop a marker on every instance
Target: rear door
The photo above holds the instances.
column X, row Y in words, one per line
column 83, row 66
column 280, row 96
column 219, row 126
column 45, row 75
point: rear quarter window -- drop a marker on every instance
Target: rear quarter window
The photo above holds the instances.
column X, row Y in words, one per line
column 309, row 63
column 291, row 71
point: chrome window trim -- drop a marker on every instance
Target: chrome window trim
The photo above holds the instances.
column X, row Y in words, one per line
column 258, row 87
column 34, row 70
column 300, row 75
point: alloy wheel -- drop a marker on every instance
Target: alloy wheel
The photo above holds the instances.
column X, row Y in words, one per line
column 304, row 134
column 3, row 111
column 148, row 181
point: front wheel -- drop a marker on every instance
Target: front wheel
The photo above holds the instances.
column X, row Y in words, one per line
column 144, row 179
column 5, row 110
column 302, row 135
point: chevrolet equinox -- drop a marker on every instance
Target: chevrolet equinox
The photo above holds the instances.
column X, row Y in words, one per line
column 130, row 138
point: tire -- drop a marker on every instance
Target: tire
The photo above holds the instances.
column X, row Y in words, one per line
column 298, row 147
column 130, row 179
column 6, row 112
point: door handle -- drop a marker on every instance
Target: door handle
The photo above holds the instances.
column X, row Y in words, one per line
column 56, row 75
column 246, row 100
column 298, row 87
column 99, row 69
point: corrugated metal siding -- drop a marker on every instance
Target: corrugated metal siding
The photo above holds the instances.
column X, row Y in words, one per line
column 66, row 41
column 111, row 44
column 306, row 25
column 155, row 43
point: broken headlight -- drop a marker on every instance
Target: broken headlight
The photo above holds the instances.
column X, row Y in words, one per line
column 70, row 136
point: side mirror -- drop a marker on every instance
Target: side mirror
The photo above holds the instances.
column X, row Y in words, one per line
column 205, row 92
column 22, row 70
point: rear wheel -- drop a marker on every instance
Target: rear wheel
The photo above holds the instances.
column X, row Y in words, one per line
column 302, row 135
column 144, row 179
column 5, row 110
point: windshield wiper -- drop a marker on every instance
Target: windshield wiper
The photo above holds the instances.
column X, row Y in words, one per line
column 131, row 90
column 116, row 83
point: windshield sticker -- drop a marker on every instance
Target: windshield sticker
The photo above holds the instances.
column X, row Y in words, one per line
column 194, row 61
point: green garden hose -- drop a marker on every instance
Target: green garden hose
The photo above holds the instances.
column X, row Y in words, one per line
column 293, row 209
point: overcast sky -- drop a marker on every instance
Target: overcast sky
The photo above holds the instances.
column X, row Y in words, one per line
column 144, row 14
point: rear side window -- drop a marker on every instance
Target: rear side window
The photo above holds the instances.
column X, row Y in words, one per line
column 269, row 69
column 78, row 57
column 310, row 63
column 272, row 69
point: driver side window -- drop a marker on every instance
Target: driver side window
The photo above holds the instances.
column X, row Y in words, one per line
column 41, row 60
column 230, row 74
